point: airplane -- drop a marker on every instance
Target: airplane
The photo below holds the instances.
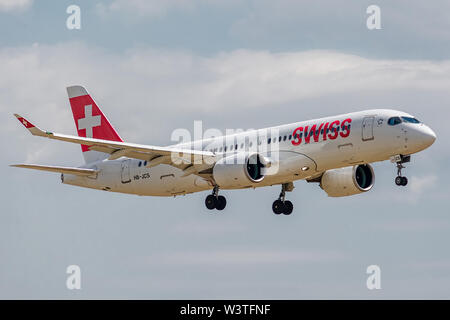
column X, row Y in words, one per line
column 335, row 152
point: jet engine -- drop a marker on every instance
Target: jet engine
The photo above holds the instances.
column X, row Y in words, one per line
column 348, row 181
column 239, row 170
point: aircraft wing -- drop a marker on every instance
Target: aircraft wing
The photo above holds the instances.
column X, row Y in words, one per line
column 69, row 170
column 181, row 158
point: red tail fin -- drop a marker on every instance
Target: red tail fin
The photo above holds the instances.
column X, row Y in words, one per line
column 90, row 121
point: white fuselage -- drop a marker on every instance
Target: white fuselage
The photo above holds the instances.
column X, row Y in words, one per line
column 362, row 137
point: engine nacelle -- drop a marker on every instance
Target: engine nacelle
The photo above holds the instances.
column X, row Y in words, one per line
column 239, row 171
column 348, row 181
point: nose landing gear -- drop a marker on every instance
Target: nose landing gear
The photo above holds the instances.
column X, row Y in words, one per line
column 214, row 201
column 281, row 205
column 400, row 160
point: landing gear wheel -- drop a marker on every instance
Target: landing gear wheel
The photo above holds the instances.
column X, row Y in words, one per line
column 221, row 202
column 404, row 181
column 288, row 207
column 282, row 205
column 278, row 207
column 210, row 202
column 401, row 181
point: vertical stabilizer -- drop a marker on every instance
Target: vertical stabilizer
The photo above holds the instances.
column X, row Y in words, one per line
column 90, row 122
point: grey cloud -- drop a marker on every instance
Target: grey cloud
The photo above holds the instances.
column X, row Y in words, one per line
column 14, row 5
column 410, row 29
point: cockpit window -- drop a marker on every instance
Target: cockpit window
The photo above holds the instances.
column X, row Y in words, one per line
column 410, row 119
column 394, row 120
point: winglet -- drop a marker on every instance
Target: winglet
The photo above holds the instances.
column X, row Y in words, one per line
column 35, row 131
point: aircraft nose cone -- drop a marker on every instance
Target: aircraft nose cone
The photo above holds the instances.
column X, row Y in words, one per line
column 428, row 136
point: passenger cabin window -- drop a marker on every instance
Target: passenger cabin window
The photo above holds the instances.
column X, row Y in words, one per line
column 410, row 120
column 394, row 121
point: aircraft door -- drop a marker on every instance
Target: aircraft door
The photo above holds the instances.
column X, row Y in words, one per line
column 126, row 171
column 367, row 128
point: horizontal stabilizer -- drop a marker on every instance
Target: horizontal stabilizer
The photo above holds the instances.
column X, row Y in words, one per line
column 68, row 170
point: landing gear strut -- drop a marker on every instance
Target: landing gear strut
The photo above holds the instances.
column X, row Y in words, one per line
column 400, row 160
column 281, row 205
column 214, row 201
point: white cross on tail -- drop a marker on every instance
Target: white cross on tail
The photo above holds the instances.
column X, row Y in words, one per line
column 89, row 121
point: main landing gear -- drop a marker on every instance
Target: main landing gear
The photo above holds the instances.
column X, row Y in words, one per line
column 214, row 201
column 400, row 160
column 281, row 205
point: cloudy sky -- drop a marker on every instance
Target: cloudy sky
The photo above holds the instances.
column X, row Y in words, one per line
column 155, row 66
